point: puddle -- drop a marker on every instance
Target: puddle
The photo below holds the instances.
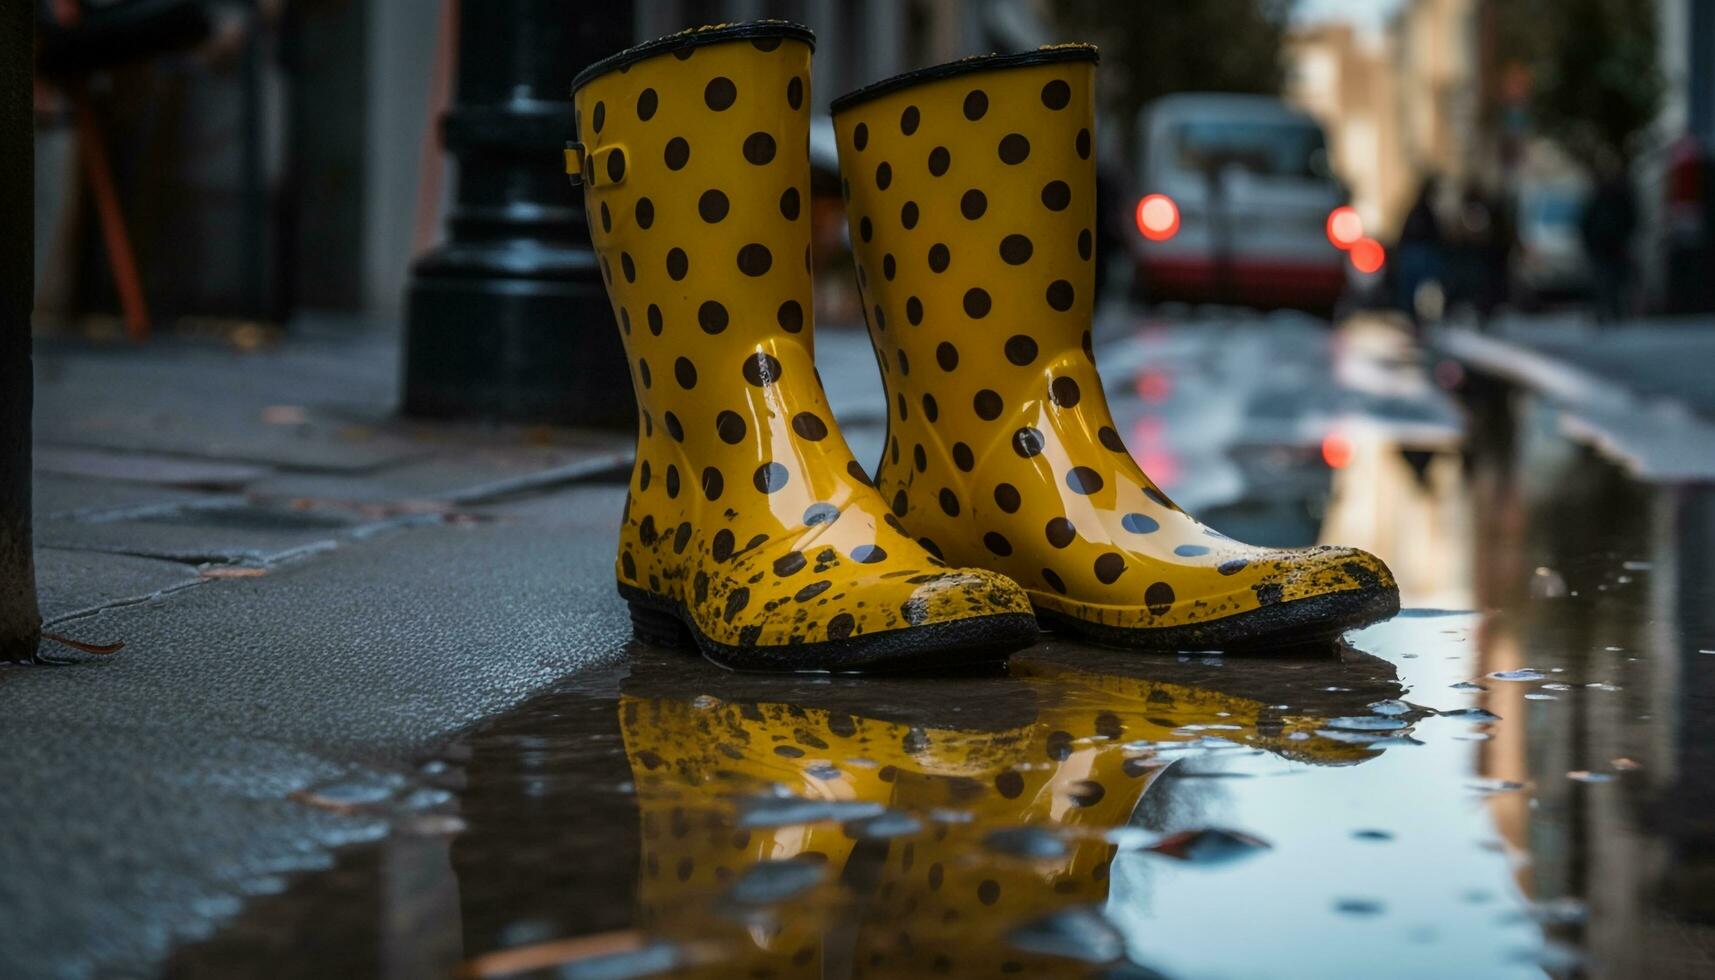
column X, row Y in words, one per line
column 1054, row 819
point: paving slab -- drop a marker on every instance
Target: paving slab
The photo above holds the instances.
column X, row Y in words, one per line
column 373, row 645
column 500, row 465
column 60, row 497
column 170, row 471
column 234, row 530
column 157, row 782
column 73, row 582
column 324, row 407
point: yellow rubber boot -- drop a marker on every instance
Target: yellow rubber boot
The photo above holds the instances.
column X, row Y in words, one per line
column 749, row 528
column 971, row 197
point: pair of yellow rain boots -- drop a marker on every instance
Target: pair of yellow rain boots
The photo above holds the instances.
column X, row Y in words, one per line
column 1005, row 492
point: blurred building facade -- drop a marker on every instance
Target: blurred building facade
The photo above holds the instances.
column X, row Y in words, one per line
column 1349, row 85
column 1434, row 93
column 340, row 101
column 1397, row 107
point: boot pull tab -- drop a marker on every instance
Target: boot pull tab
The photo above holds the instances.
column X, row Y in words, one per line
column 575, row 163
column 602, row 165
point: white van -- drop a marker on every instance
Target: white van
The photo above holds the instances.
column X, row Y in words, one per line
column 1236, row 203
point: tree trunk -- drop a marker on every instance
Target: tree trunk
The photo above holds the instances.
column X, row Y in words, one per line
column 20, row 619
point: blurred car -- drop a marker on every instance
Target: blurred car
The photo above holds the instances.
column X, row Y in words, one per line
column 1549, row 262
column 1236, row 203
column 1677, row 248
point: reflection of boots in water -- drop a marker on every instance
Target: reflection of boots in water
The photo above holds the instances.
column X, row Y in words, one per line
column 930, row 833
column 1034, row 842
column 1280, row 705
column 725, row 785
column 1038, row 842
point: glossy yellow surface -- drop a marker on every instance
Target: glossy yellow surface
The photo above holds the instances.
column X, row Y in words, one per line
column 943, row 894
column 971, row 201
column 746, row 511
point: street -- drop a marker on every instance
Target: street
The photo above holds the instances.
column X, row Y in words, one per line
column 466, row 763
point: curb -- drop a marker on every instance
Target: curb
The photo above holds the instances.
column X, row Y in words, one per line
column 1657, row 440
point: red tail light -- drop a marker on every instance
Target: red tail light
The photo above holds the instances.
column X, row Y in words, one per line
column 1684, row 174
column 1336, row 451
column 1345, row 228
column 1367, row 255
column 1158, row 217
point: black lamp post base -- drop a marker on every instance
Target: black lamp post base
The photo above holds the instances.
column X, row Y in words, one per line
column 507, row 319
column 515, row 350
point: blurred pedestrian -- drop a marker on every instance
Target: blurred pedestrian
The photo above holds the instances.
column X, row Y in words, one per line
column 1609, row 221
column 1498, row 259
column 1486, row 245
column 1418, row 258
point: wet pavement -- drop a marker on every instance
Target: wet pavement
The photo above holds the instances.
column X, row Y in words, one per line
column 1513, row 778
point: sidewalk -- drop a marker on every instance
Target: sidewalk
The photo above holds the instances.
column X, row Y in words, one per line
column 1639, row 392
column 310, row 591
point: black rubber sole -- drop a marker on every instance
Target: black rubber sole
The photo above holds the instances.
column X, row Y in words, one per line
column 954, row 645
column 1279, row 627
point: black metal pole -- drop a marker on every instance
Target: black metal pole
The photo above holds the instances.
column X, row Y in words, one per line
column 20, row 618
column 254, row 214
column 508, row 318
